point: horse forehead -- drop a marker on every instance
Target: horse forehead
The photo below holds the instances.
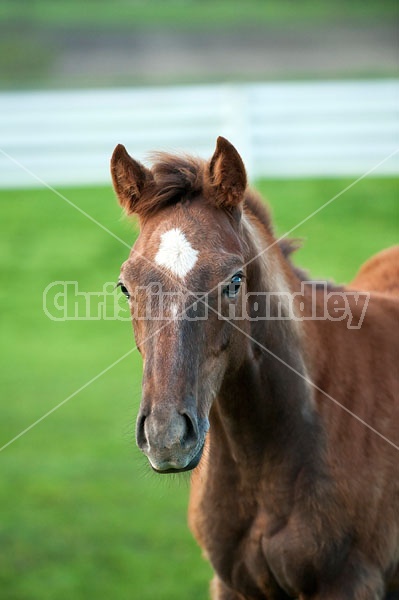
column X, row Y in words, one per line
column 184, row 245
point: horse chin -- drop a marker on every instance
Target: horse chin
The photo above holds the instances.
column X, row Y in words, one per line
column 191, row 465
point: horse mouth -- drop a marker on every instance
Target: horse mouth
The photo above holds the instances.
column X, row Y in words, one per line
column 191, row 465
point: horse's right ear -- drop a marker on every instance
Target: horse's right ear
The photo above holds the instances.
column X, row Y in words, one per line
column 129, row 178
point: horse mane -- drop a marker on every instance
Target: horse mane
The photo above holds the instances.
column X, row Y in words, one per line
column 254, row 204
column 179, row 178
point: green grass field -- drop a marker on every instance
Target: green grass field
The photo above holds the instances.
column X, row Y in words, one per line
column 82, row 516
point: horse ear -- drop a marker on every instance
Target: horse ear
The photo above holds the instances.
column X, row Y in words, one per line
column 129, row 178
column 227, row 175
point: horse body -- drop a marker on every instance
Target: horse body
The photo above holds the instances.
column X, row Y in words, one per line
column 314, row 512
column 297, row 491
column 380, row 273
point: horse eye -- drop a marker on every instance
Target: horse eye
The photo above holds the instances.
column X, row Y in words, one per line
column 124, row 290
column 231, row 290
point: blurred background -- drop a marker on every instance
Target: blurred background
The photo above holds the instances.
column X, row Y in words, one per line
column 307, row 91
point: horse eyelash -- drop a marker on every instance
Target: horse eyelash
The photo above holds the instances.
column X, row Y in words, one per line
column 122, row 285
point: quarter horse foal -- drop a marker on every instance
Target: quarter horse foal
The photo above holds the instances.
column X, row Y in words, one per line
column 281, row 394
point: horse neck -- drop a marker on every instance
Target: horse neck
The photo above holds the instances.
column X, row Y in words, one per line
column 265, row 408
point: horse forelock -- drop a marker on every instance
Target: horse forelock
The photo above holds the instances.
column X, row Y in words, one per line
column 175, row 179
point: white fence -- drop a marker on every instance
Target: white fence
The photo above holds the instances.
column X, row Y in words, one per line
column 281, row 129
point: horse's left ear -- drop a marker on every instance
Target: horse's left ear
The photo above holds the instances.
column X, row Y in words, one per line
column 227, row 175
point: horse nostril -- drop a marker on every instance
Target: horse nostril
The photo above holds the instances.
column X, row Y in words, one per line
column 190, row 436
column 140, row 432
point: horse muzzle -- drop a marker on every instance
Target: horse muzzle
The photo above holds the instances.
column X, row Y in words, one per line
column 172, row 440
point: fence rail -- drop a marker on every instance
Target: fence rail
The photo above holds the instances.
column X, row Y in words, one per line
column 281, row 129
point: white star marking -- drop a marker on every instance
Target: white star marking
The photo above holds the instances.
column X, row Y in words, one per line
column 176, row 253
